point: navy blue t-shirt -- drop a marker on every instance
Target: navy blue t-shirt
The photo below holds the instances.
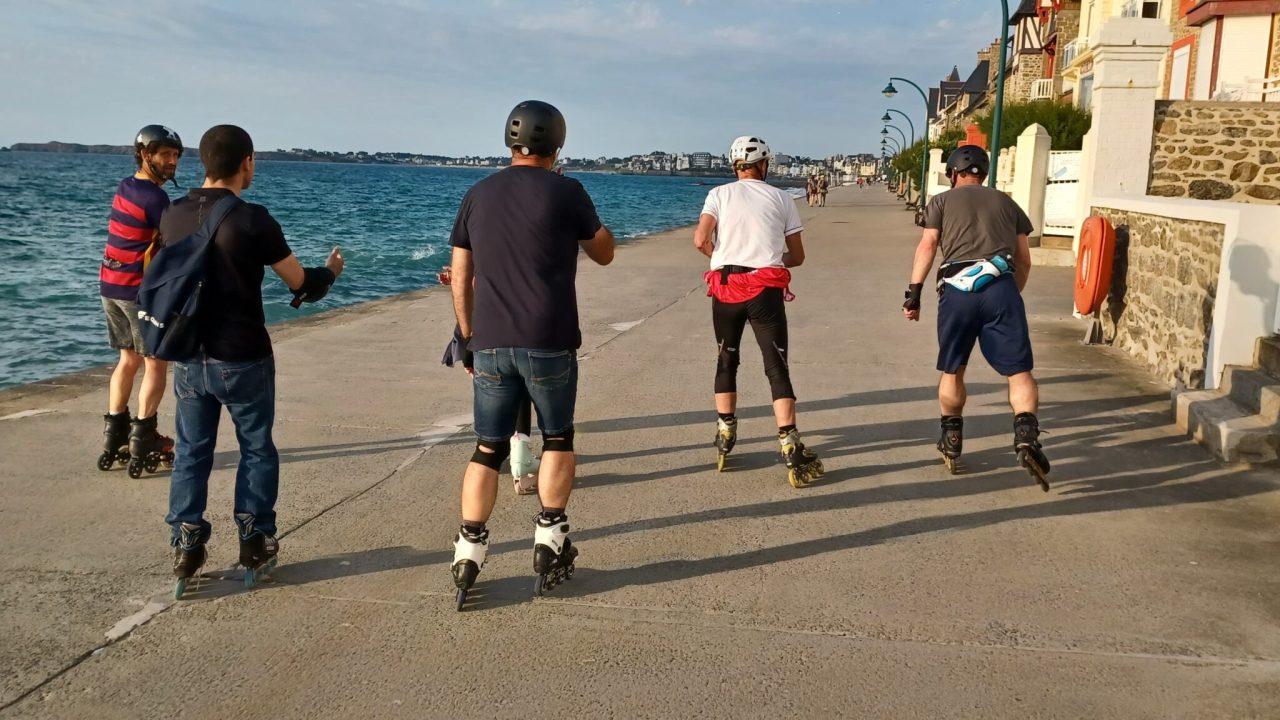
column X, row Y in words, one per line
column 522, row 226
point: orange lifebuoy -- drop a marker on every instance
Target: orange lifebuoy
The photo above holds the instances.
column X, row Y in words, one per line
column 1093, row 264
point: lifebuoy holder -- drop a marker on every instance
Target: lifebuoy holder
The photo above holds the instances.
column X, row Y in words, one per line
column 1094, row 262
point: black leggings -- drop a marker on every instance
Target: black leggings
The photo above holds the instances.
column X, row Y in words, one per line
column 768, row 318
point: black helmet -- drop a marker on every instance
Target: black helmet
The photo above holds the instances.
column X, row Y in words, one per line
column 536, row 127
column 968, row 159
column 152, row 137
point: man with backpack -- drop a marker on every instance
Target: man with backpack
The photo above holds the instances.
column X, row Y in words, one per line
column 132, row 239
column 232, row 364
column 986, row 260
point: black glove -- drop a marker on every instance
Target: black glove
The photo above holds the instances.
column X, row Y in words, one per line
column 468, row 357
column 913, row 297
column 315, row 285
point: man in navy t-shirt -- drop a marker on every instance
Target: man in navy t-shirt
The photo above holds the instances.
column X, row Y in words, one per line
column 132, row 238
column 515, row 260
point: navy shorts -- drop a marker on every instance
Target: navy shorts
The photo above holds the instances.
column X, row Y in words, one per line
column 994, row 317
column 508, row 378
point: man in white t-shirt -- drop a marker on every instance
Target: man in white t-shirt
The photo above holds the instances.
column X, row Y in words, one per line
column 751, row 232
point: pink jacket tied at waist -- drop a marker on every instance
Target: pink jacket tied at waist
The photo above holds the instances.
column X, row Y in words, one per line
column 743, row 287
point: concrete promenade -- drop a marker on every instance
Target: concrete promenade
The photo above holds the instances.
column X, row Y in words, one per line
column 1145, row 585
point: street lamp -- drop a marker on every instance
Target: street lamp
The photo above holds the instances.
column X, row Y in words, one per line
column 885, row 131
column 889, row 91
column 884, row 141
column 998, row 115
column 912, row 126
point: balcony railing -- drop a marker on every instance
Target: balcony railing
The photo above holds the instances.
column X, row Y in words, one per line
column 1045, row 89
column 1073, row 50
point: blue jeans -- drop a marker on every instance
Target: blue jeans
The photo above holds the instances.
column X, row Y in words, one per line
column 203, row 387
column 507, row 377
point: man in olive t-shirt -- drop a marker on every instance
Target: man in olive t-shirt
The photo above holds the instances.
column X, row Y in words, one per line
column 986, row 260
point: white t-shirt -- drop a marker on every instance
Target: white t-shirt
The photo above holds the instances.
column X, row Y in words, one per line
column 753, row 219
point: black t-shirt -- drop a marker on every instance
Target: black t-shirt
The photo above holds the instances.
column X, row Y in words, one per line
column 522, row 226
column 231, row 323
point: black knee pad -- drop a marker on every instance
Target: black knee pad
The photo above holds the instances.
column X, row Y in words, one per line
column 559, row 443
column 493, row 459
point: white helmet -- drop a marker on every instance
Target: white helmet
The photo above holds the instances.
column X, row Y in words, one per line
column 749, row 149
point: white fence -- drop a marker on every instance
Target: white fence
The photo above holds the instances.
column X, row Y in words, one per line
column 1061, row 193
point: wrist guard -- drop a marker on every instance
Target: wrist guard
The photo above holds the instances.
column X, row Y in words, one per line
column 913, row 297
column 315, row 285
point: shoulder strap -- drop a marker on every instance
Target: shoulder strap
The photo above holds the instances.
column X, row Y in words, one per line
column 220, row 210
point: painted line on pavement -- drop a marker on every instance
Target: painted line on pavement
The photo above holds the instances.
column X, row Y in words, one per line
column 163, row 601
column 27, row 414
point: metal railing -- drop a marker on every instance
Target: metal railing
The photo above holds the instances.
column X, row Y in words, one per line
column 1045, row 89
column 1073, row 50
column 1251, row 90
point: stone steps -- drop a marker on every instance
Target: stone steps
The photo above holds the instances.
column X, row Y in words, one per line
column 1057, row 242
column 1240, row 421
column 1266, row 355
column 1253, row 390
column 1052, row 257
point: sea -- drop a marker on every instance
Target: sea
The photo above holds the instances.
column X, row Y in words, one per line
column 391, row 221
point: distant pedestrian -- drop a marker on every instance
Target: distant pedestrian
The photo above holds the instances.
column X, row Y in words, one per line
column 811, row 189
column 986, row 261
column 823, row 184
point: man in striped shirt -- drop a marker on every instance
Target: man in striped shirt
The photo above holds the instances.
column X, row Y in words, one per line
column 132, row 238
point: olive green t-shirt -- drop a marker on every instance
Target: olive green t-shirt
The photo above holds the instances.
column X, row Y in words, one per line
column 976, row 223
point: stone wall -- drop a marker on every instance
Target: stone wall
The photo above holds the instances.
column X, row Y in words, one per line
column 1068, row 30
column 1216, row 151
column 1165, row 277
column 1031, row 67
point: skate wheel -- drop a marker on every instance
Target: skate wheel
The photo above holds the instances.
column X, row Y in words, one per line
column 953, row 464
column 720, row 462
column 568, row 572
column 796, row 478
column 818, row 470
column 460, row 599
column 539, row 585
column 105, row 461
column 180, row 588
column 151, row 465
column 1036, row 472
column 250, row 578
column 135, row 469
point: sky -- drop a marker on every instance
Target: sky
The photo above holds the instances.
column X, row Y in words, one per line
column 439, row 77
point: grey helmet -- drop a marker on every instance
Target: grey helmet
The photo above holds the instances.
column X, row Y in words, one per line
column 152, row 137
column 536, row 128
column 968, row 159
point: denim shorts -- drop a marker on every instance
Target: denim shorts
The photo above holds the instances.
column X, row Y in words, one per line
column 507, row 377
column 123, row 331
column 994, row 317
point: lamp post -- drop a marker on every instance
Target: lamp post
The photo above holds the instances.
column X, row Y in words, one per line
column 890, row 91
column 998, row 114
column 884, row 142
column 885, row 131
column 910, row 125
